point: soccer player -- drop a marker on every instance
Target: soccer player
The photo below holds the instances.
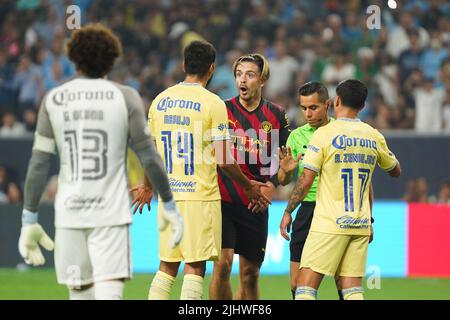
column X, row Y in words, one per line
column 314, row 104
column 257, row 127
column 190, row 125
column 89, row 121
column 344, row 153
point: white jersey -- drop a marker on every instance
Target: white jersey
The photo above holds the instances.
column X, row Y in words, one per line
column 88, row 122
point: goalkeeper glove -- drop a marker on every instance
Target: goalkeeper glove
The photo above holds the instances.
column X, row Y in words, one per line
column 172, row 216
column 31, row 236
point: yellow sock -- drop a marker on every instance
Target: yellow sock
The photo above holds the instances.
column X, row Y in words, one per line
column 355, row 293
column 161, row 286
column 305, row 293
column 192, row 288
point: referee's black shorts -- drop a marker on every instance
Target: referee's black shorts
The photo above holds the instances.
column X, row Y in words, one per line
column 300, row 229
column 244, row 231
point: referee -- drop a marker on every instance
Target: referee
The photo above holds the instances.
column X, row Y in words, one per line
column 314, row 103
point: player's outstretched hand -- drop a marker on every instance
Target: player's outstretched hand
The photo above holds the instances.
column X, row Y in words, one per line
column 144, row 195
column 255, row 195
column 267, row 190
column 285, row 226
column 31, row 236
column 171, row 216
column 287, row 162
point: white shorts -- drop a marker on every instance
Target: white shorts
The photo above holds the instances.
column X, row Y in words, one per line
column 86, row 256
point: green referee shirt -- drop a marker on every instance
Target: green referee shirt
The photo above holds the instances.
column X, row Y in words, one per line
column 298, row 141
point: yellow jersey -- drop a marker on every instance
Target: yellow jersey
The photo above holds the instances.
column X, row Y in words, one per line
column 184, row 120
column 344, row 153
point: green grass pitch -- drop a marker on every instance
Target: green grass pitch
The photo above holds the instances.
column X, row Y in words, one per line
column 41, row 284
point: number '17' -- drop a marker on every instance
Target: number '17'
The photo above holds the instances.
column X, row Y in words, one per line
column 347, row 176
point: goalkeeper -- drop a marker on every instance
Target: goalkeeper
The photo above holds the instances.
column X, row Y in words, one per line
column 90, row 121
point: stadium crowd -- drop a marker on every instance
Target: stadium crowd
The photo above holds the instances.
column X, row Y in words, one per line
column 405, row 63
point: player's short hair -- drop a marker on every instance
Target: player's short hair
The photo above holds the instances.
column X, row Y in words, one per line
column 312, row 87
column 353, row 93
column 198, row 57
column 94, row 48
column 257, row 59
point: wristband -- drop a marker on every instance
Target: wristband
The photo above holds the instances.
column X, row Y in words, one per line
column 29, row 217
column 372, row 220
column 169, row 206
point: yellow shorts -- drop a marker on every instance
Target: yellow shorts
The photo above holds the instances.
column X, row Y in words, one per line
column 334, row 254
column 202, row 238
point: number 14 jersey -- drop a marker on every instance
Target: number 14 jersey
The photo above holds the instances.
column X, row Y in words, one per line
column 184, row 120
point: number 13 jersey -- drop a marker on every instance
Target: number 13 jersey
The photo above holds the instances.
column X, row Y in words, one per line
column 88, row 122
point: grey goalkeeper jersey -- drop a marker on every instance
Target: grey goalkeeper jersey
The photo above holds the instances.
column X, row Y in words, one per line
column 89, row 122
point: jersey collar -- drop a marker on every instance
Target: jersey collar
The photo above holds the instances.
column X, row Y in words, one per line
column 349, row 119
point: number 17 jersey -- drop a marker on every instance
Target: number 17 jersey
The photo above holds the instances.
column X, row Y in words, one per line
column 344, row 153
column 184, row 120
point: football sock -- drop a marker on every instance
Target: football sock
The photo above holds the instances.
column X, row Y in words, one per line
column 305, row 293
column 109, row 290
column 293, row 294
column 161, row 286
column 85, row 294
column 192, row 288
column 355, row 293
column 341, row 296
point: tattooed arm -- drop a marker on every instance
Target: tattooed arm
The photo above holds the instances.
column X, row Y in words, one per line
column 298, row 194
column 301, row 189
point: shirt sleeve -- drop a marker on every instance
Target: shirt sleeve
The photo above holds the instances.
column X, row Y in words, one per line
column 44, row 139
column 284, row 129
column 219, row 122
column 151, row 123
column 386, row 159
column 314, row 155
column 290, row 143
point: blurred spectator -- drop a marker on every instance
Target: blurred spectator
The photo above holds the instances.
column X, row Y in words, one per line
column 366, row 67
column 57, row 67
column 429, row 103
column 337, row 70
column 444, row 193
column 416, row 191
column 410, row 59
column 29, row 120
column 446, row 114
column 9, row 190
column 433, row 58
column 10, row 127
column 223, row 82
column 28, row 81
column 282, row 70
column 6, row 76
column 398, row 40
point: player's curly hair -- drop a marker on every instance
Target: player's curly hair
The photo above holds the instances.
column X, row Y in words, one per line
column 257, row 59
column 94, row 48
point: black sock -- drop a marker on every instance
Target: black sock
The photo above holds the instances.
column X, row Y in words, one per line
column 293, row 294
column 341, row 296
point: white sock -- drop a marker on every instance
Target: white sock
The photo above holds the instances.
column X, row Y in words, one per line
column 84, row 294
column 109, row 290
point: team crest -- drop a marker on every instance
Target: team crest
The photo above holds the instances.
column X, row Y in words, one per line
column 266, row 126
